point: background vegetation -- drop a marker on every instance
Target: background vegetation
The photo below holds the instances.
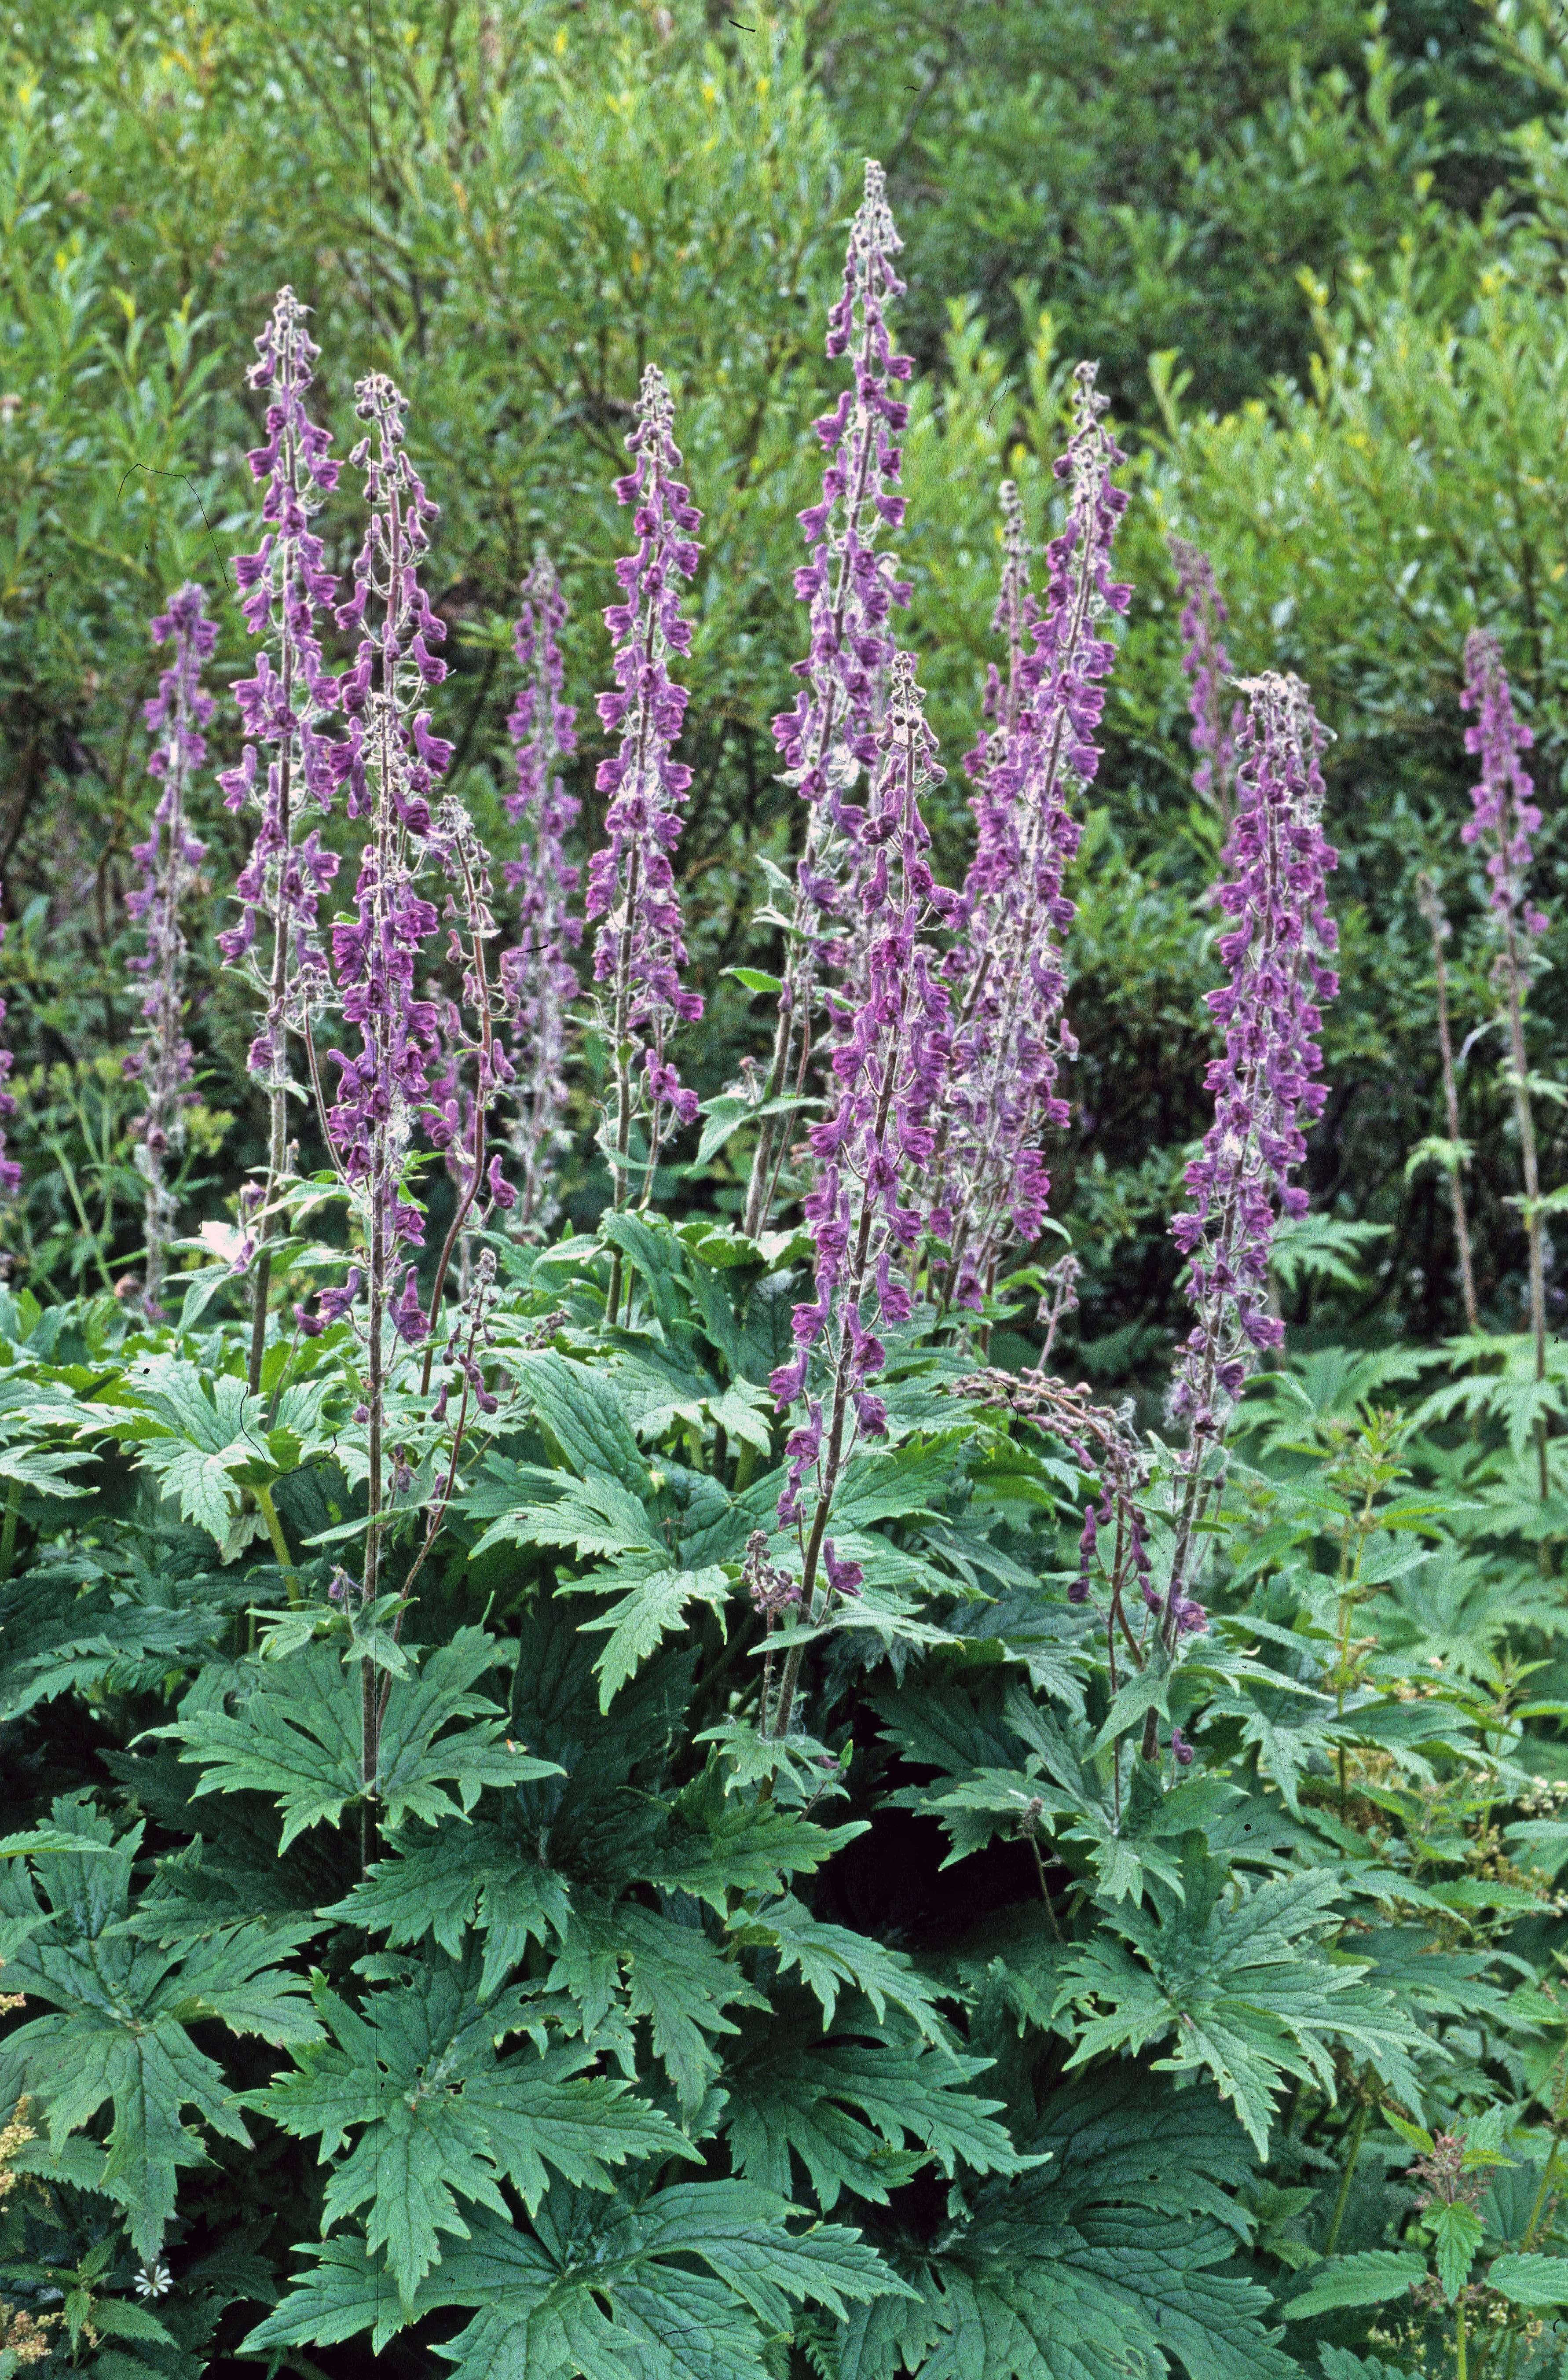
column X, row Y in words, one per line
column 1319, row 251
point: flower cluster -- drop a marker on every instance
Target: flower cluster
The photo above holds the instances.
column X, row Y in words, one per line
column 1506, row 816
column 1277, row 948
column 10, row 1172
column 287, row 759
column 888, row 1071
column 640, row 953
column 168, row 861
column 1207, row 665
column 1006, row 971
column 828, row 739
column 540, row 978
column 392, row 763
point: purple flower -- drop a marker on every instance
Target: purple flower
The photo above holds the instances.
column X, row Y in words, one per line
column 1207, row 665
column 1277, row 947
column 1506, row 816
column 843, row 1577
column 384, row 1081
column 888, row 1070
column 640, row 953
column 537, row 971
column 10, row 1172
column 168, row 861
column 1009, row 979
column 829, row 740
column 288, row 759
column 1181, row 1748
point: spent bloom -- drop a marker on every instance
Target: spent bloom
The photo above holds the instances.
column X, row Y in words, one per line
column 288, row 760
column 886, row 1072
column 1207, row 665
column 537, row 970
column 640, row 952
column 1006, row 970
column 168, row 861
column 828, row 739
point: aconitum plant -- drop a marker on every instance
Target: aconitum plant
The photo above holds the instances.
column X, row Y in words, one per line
column 887, row 1072
column 1006, row 970
column 539, row 972
column 640, row 953
column 168, row 861
column 1505, row 817
column 288, row 760
column 1207, row 665
column 10, row 1172
column 851, row 587
column 1276, row 948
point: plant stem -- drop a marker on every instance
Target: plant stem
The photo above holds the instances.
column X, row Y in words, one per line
column 1337, row 2218
column 1438, row 925
column 8, row 1532
column 269, row 1512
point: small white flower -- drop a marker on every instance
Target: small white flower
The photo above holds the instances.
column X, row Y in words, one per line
column 154, row 2280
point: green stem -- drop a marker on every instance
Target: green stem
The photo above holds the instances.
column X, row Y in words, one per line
column 1541, row 2196
column 269, row 1512
column 1337, row 2218
column 1460, row 2366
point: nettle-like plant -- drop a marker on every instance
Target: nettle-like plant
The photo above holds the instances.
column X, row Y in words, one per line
column 674, row 1800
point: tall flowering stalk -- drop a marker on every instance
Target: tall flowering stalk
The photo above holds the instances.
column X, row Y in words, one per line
column 541, row 980
column 1207, row 665
column 1006, row 970
column 640, row 953
column 288, row 759
column 1505, row 817
column 887, row 1069
column 391, row 762
column 10, row 1172
column 1432, row 910
column 829, row 738
column 1277, row 949
column 168, row 860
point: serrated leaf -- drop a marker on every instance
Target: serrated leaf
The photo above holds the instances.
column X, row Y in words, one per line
column 1533, row 2281
column 1370, row 2278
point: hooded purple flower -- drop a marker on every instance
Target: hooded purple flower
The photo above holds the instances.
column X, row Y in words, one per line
column 1505, row 815
column 829, row 740
column 990, row 1180
column 168, row 861
column 288, row 759
column 640, row 953
column 539, row 972
column 392, row 763
column 1277, row 947
column 1207, row 665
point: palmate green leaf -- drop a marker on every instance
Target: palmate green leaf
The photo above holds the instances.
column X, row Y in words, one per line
column 203, row 1436
column 847, row 2103
column 470, row 1877
column 717, row 1845
column 439, row 2117
column 122, row 2010
column 673, row 1975
column 830, row 1958
column 584, row 1415
column 596, row 1516
column 1243, row 1987
column 688, row 2286
column 646, row 1610
column 296, row 1737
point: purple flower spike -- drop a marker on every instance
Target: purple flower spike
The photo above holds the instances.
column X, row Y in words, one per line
column 391, row 764
column 829, row 740
column 989, row 1182
column 1181, row 1749
column 10, row 1172
column 1207, row 665
column 539, row 974
column 168, row 860
column 287, row 760
column 1277, row 947
column 640, row 953
column 888, row 1071
column 1506, row 816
